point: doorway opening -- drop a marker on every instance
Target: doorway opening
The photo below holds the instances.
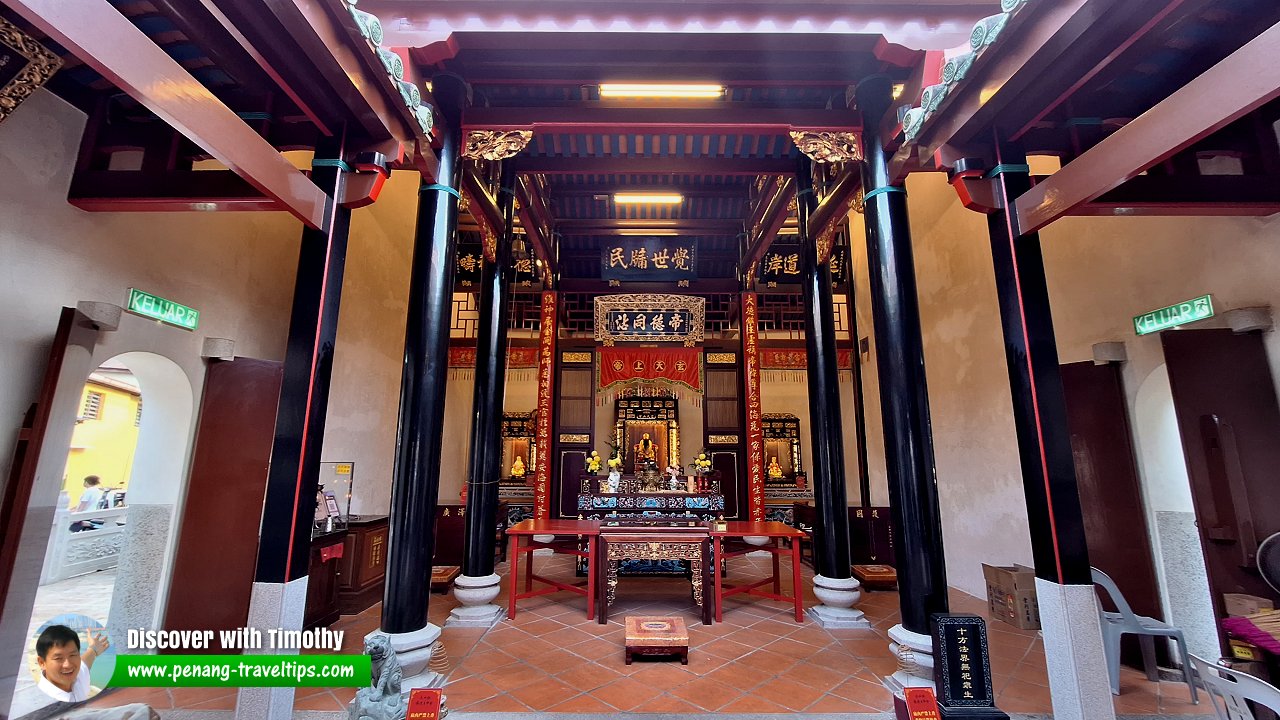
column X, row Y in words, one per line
column 108, row 557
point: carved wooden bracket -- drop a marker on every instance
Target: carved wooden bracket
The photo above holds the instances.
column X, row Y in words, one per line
column 828, row 147
column 496, row 144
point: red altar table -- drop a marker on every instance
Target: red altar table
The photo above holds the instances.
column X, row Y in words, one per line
column 522, row 542
column 728, row 545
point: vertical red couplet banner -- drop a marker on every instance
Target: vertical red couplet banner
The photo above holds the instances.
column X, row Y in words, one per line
column 751, row 383
column 546, row 375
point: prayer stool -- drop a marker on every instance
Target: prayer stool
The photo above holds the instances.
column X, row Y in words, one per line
column 442, row 577
column 876, row 577
column 647, row 635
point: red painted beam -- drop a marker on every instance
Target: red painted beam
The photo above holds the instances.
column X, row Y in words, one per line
column 620, row 118
column 106, row 41
column 1244, row 81
column 655, row 166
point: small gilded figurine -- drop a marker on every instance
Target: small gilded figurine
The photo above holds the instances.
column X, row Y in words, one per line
column 775, row 470
column 517, row 468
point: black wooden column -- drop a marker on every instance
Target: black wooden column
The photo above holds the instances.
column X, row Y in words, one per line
column 486, row 412
column 904, row 397
column 416, row 481
column 1035, row 382
column 831, row 527
column 288, row 510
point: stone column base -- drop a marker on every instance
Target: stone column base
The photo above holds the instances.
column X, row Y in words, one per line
column 413, row 650
column 542, row 552
column 838, row 596
column 914, row 652
column 476, row 595
column 1073, row 652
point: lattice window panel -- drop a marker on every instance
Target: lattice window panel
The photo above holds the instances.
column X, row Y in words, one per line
column 464, row 321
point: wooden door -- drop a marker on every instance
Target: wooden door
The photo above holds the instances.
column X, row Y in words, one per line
column 35, row 479
column 1229, row 420
column 218, row 538
column 1115, row 518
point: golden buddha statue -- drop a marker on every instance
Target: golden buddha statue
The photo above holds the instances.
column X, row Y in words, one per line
column 775, row 470
column 517, row 468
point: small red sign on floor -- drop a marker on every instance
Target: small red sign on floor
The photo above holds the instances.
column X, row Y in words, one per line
column 921, row 704
column 424, row 704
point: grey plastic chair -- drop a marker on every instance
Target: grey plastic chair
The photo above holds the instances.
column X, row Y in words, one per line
column 1117, row 624
column 1233, row 689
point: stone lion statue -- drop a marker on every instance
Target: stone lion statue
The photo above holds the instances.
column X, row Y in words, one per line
column 381, row 700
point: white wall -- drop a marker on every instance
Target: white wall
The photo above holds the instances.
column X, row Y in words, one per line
column 1101, row 272
column 787, row 391
column 236, row 268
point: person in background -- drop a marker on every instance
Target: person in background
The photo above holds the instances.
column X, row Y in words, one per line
column 64, row 672
column 90, row 499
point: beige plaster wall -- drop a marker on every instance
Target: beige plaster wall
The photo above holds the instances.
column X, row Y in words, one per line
column 1101, row 272
column 787, row 391
column 236, row 268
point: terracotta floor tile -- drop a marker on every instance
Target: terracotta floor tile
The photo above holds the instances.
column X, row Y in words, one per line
column 665, row 703
column 836, row 704
column 186, row 697
column 791, row 648
column 738, row 676
column 514, row 676
column 660, row 674
column 871, row 694
column 788, row 693
column 587, row 676
column 1032, row 673
column 701, row 663
column 752, row 704
column 585, row 703
column 818, row 676
column 866, row 646
column 554, row 661
column 115, row 697
column 726, row 648
column 1019, row 696
column 473, row 689
column 543, row 693
column 483, row 661
column 527, row 647
column 501, row 703
column 539, row 628
column 624, row 693
column 594, row 649
column 767, row 662
column 707, row 694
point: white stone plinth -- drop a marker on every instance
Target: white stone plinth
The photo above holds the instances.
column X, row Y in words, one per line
column 914, row 653
column 838, row 596
column 413, row 650
column 1077, row 666
column 476, row 595
column 540, row 552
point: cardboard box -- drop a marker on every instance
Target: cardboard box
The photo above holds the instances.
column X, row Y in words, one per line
column 1241, row 605
column 1243, row 650
column 1011, row 595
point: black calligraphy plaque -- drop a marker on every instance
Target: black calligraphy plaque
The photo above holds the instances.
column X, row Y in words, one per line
column 470, row 260
column 649, row 258
column 962, row 667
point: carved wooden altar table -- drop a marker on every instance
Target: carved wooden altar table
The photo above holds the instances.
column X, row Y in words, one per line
column 653, row 540
column 522, row 542
column 728, row 544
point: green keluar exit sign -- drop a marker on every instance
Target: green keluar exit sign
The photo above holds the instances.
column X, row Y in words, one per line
column 1174, row 315
column 166, row 311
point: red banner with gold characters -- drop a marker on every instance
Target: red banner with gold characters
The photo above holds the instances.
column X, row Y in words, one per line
column 798, row 359
column 679, row 365
column 755, row 431
column 546, row 374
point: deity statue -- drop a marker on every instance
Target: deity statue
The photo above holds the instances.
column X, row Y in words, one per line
column 775, row 470
column 646, row 452
column 517, row 468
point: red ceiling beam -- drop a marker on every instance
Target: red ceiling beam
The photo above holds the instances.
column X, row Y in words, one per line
column 655, row 166
column 620, row 118
column 106, row 41
column 1244, row 81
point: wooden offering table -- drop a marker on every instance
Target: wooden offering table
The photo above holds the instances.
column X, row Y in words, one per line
column 659, row 539
column 526, row 529
column 728, row 543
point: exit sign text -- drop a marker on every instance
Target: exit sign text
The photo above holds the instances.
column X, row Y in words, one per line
column 1174, row 315
column 166, row 311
